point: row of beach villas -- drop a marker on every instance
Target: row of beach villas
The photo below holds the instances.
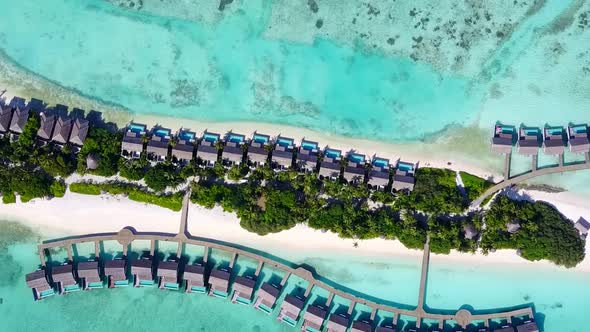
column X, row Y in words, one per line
column 553, row 140
column 282, row 153
column 172, row 275
column 59, row 129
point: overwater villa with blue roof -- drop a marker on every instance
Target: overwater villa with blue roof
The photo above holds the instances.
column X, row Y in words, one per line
column 529, row 140
column 307, row 156
column 219, row 282
column 404, row 177
column 157, row 146
column 379, row 175
column 233, row 151
column 579, row 141
column 142, row 271
column 355, row 170
column 132, row 144
column 194, row 276
column 207, row 151
column 183, row 150
column 554, row 140
column 167, row 273
column 282, row 154
column 243, row 289
column 330, row 167
column 89, row 275
column 258, row 150
column 503, row 138
column 63, row 277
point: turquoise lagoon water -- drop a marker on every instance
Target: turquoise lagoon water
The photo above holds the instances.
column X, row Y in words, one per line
column 560, row 297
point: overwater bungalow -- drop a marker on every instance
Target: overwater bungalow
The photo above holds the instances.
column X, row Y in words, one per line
column 20, row 116
column 267, row 297
column 363, row 325
column 115, row 271
column 307, row 156
column 219, row 282
column 282, row 154
column 330, row 166
column 142, row 272
column 386, row 328
column 233, row 149
column 502, row 139
column 63, row 277
column 290, row 309
column 404, row 177
column 45, row 132
column 314, row 318
column 528, row 326
column 258, row 150
column 168, row 275
column 505, row 328
column 89, row 275
column 583, row 227
column 182, row 151
column 62, row 131
column 355, row 169
column 207, row 151
column 157, row 146
column 379, row 174
column 37, row 282
column 338, row 322
column 5, row 117
column 194, row 275
column 132, row 144
column 529, row 140
column 554, row 140
column 243, row 288
column 79, row 132
column 578, row 138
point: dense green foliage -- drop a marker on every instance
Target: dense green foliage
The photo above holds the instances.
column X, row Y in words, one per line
column 474, row 185
column 134, row 192
column 435, row 192
column 161, row 176
column 27, row 182
column 106, row 146
column 544, row 232
column 133, row 169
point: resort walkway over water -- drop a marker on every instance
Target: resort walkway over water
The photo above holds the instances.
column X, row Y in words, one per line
column 126, row 236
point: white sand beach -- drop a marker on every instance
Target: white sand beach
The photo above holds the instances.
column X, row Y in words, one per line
column 82, row 214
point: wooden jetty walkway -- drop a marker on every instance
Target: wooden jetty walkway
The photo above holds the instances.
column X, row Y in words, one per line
column 126, row 236
column 535, row 172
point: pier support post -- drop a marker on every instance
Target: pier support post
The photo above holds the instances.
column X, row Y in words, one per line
column 330, row 298
column 233, row 260
column 351, row 308
column 509, row 320
column 125, row 249
column 285, row 278
column 42, row 256
column 259, row 268
column 206, row 255
column 374, row 314
column 441, row 324
column 179, row 249
column 395, row 319
column 70, row 254
column 587, row 157
column 152, row 248
column 308, row 289
column 97, row 249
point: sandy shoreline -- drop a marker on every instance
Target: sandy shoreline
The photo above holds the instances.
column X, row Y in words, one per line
column 105, row 213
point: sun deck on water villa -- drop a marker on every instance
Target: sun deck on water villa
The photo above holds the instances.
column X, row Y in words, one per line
column 207, row 151
column 503, row 139
column 554, row 140
column 282, row 154
column 404, row 177
column 219, row 282
column 307, row 156
column 258, row 150
column 243, row 289
column 142, row 272
column 89, row 275
column 115, row 271
column 37, row 282
column 168, row 275
column 330, row 167
column 267, row 297
column 157, row 146
column 529, row 140
column 183, row 150
column 132, row 144
column 355, row 169
column 194, row 275
column 63, row 277
column 579, row 141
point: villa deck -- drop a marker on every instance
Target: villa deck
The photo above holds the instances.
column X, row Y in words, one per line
column 307, row 156
column 142, row 271
column 379, row 175
column 115, row 271
column 314, row 317
column 194, row 275
column 219, row 282
column 243, row 288
column 362, row 326
column 404, row 177
column 267, row 297
column 63, row 277
column 338, row 322
column 282, row 154
column 355, row 169
column 168, row 275
column 579, row 141
column 37, row 282
column 258, row 150
column 529, row 141
column 554, row 140
column 184, row 148
column 89, row 275
column 233, row 150
column 330, row 167
column 290, row 309
column 157, row 146
column 132, row 144
column 503, row 139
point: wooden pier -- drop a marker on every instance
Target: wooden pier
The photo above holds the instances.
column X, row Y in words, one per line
column 126, row 236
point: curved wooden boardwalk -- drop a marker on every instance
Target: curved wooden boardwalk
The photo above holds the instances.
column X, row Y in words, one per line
column 509, row 181
column 126, row 236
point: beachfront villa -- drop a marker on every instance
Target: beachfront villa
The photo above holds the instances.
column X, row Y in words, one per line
column 330, row 166
column 404, row 177
column 314, row 317
column 132, row 144
column 115, row 271
column 47, row 123
column 583, row 227
column 379, row 175
column 554, row 140
column 142, row 272
column 307, row 156
column 243, row 289
column 502, row 139
column 194, row 275
column 183, row 150
column 207, row 151
column 282, row 154
column 258, row 150
column 19, row 119
column 267, row 297
column 89, row 275
column 5, row 117
column 290, row 309
column 338, row 322
column 355, row 169
column 578, row 138
column 79, row 132
column 219, row 282
column 233, row 149
column 157, row 146
column 62, row 130
column 529, row 140
column 63, row 277
column 364, row 325
column 37, row 282
column 167, row 273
